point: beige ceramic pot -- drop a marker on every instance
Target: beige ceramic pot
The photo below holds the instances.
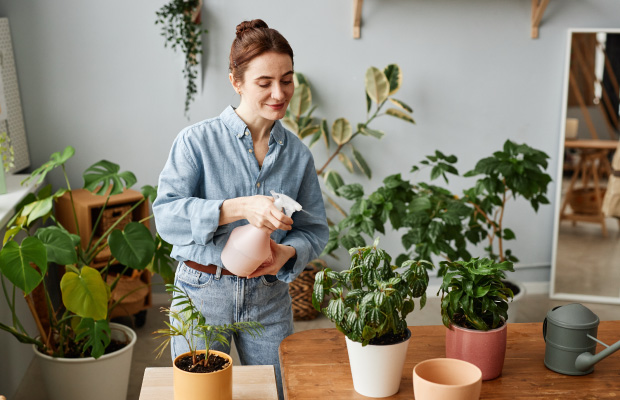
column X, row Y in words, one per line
column 205, row 386
column 484, row 349
column 446, row 379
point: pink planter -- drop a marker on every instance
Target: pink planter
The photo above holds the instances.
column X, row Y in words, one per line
column 484, row 349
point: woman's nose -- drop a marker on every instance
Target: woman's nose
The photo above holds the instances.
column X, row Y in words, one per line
column 278, row 92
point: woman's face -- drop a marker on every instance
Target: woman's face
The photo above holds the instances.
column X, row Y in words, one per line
column 267, row 86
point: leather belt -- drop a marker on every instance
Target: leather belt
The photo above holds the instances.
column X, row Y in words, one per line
column 209, row 269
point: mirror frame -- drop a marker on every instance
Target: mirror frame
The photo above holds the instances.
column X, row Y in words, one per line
column 558, row 195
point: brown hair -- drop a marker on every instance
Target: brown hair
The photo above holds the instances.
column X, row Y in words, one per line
column 254, row 38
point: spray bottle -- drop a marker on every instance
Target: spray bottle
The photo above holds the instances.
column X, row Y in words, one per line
column 248, row 247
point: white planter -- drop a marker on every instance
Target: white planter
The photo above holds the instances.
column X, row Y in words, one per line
column 105, row 378
column 377, row 370
column 513, row 306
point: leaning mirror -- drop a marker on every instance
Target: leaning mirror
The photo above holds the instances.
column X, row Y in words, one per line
column 586, row 257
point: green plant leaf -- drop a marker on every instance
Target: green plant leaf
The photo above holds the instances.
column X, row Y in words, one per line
column 85, row 294
column 351, row 192
column 15, row 262
column 301, row 100
column 104, row 175
column 325, row 133
column 60, row 244
column 162, row 263
column 399, row 114
column 56, row 160
column 401, row 104
column 149, row 192
column 97, row 334
column 394, row 75
column 371, row 132
column 346, row 161
column 134, row 246
column 333, row 180
column 341, row 131
column 361, row 163
column 308, row 130
column 377, row 85
column 291, row 125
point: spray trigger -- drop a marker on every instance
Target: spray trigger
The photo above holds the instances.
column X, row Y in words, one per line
column 285, row 203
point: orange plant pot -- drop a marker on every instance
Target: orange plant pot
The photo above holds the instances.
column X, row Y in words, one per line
column 205, row 386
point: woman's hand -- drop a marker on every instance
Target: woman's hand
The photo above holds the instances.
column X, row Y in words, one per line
column 258, row 210
column 280, row 255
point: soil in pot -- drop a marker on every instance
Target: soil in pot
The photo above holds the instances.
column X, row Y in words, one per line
column 390, row 338
column 216, row 363
column 461, row 321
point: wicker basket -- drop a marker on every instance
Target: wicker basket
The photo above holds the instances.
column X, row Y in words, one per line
column 583, row 200
column 111, row 215
column 301, row 291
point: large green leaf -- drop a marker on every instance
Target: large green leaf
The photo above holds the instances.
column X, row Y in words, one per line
column 333, row 180
column 15, row 262
column 301, row 100
column 150, row 192
column 395, row 76
column 162, row 262
column 41, row 208
column 308, row 130
column 399, row 114
column 104, row 175
column 377, row 85
column 56, row 159
column 361, row 163
column 97, row 335
column 341, row 131
column 371, row 132
column 85, row 293
column 60, row 245
column 134, row 246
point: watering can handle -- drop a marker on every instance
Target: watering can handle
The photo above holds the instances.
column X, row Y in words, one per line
column 545, row 330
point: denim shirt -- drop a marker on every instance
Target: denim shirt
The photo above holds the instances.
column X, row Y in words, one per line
column 212, row 161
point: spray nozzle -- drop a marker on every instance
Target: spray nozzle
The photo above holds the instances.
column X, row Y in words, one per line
column 285, row 203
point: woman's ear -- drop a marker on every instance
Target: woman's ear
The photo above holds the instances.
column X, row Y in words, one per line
column 234, row 83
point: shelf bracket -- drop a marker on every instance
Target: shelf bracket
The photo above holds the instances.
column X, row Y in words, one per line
column 357, row 18
column 538, row 9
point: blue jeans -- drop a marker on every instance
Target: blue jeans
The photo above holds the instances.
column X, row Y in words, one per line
column 225, row 299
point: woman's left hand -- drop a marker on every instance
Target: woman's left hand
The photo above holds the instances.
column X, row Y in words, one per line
column 280, row 255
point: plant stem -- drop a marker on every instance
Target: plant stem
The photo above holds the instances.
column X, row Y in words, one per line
column 501, row 217
column 77, row 226
column 33, row 311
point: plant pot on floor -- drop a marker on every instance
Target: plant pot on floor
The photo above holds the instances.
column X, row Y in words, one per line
column 484, row 349
column 377, row 369
column 105, row 378
column 208, row 386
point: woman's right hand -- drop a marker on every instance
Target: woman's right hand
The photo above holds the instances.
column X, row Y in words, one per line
column 258, row 210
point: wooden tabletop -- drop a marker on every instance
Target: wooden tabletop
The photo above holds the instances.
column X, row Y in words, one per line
column 594, row 144
column 256, row 382
column 315, row 365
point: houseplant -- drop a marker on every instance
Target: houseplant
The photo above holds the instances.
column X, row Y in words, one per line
column 79, row 327
column 7, row 156
column 380, row 86
column 474, row 305
column 204, row 372
column 182, row 28
column 369, row 303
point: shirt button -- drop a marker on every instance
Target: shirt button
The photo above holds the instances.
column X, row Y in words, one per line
column 280, row 142
column 251, row 151
column 258, row 184
column 247, row 133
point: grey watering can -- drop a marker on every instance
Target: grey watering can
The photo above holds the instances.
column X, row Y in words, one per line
column 570, row 336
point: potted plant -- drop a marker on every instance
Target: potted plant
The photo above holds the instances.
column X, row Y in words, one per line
column 200, row 373
column 75, row 340
column 369, row 303
column 380, row 86
column 7, row 156
column 182, row 27
column 474, row 305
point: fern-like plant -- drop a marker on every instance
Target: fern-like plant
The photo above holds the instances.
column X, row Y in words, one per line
column 190, row 324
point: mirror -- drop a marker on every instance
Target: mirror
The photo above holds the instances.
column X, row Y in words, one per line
column 586, row 257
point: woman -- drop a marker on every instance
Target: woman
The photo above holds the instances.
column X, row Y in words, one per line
column 218, row 176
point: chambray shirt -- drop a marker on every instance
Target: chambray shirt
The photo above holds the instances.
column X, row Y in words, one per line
column 212, row 161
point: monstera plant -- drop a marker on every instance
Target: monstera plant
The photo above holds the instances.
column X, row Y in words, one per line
column 36, row 241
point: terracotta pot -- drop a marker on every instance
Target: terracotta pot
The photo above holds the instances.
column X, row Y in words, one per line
column 485, row 349
column 377, row 369
column 446, row 379
column 205, row 386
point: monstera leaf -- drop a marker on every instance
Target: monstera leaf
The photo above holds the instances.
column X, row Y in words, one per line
column 161, row 260
column 15, row 262
column 56, row 159
column 133, row 246
column 97, row 335
column 60, row 244
column 85, row 293
column 104, row 175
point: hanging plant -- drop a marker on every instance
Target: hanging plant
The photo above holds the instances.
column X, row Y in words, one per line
column 182, row 27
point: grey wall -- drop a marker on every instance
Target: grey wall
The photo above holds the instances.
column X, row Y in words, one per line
column 95, row 75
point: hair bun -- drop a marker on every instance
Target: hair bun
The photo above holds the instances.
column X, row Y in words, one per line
column 246, row 26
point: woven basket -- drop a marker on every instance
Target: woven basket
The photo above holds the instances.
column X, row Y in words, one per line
column 301, row 291
column 583, row 200
column 113, row 214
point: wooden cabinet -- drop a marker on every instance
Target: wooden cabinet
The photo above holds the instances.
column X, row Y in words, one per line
column 135, row 284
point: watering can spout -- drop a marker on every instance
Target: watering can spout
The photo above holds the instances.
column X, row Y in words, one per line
column 586, row 360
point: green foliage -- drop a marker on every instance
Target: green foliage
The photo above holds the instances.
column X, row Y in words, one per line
column 371, row 299
column 189, row 323
column 438, row 222
column 80, row 325
column 473, row 294
column 182, row 28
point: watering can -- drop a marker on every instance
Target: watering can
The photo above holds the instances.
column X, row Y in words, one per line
column 570, row 336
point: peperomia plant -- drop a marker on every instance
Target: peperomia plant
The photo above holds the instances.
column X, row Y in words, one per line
column 189, row 323
column 473, row 294
column 370, row 301
column 438, row 222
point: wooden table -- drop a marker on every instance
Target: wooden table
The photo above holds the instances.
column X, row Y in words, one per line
column 256, row 382
column 315, row 365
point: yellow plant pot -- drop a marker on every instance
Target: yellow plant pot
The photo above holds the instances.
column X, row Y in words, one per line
column 205, row 386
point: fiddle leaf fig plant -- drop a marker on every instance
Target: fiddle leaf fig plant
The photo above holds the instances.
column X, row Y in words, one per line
column 369, row 301
column 79, row 326
column 182, row 28
column 188, row 322
column 473, row 295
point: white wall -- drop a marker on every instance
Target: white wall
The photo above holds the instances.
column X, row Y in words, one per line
column 96, row 75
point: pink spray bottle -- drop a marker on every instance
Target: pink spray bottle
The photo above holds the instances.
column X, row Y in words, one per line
column 248, row 247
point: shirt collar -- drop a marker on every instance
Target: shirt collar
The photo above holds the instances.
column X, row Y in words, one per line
column 237, row 127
